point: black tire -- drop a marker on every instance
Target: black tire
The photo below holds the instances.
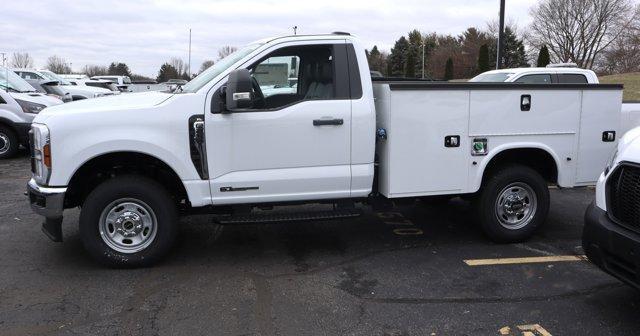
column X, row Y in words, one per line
column 135, row 188
column 511, row 178
column 8, row 142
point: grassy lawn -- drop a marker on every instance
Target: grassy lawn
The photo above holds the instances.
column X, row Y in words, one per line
column 631, row 83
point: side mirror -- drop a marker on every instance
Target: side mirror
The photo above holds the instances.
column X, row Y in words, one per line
column 239, row 90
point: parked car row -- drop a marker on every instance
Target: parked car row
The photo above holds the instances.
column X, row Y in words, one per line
column 77, row 92
column 20, row 102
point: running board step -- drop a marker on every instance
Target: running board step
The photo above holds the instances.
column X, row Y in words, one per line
column 287, row 217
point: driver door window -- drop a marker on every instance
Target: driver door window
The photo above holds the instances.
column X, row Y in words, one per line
column 292, row 75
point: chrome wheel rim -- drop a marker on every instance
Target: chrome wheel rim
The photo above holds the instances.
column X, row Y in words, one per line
column 128, row 225
column 5, row 144
column 516, row 206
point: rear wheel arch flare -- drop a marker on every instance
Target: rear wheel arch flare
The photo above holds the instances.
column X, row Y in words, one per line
column 540, row 159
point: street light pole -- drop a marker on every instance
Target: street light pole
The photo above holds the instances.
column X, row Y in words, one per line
column 500, row 37
column 189, row 53
column 295, row 30
column 423, row 47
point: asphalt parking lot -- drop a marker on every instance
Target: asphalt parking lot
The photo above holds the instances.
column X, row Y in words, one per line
column 400, row 272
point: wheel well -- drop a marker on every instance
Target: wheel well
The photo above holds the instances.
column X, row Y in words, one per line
column 8, row 125
column 538, row 159
column 104, row 167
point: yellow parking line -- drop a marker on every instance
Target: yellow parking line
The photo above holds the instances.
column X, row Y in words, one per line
column 526, row 260
column 534, row 327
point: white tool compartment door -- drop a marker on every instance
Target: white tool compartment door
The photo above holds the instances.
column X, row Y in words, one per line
column 428, row 142
column 601, row 112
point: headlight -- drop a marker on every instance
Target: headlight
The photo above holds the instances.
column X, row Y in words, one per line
column 611, row 161
column 40, row 153
column 29, row 107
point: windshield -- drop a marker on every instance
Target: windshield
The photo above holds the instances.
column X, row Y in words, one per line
column 491, row 77
column 51, row 76
column 218, row 68
column 9, row 80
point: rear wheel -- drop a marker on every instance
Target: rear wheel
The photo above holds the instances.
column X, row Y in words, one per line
column 128, row 221
column 512, row 204
column 8, row 142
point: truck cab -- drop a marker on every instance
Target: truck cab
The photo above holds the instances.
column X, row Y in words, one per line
column 221, row 146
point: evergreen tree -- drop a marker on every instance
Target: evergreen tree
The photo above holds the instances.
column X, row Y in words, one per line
column 514, row 55
column 377, row 60
column 410, row 67
column 398, row 58
column 167, row 71
column 543, row 57
column 448, row 69
column 483, row 59
column 118, row 69
column 414, row 55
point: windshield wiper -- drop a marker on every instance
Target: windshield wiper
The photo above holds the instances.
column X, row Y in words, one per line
column 8, row 88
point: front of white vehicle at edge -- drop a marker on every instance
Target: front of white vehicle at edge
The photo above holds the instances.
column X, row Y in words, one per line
column 329, row 134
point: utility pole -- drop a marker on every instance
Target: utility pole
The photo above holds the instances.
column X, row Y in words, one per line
column 6, row 71
column 189, row 54
column 500, row 37
column 295, row 30
column 423, row 47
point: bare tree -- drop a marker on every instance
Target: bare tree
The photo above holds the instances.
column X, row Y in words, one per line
column 21, row 60
column 206, row 65
column 57, row 64
column 579, row 30
column 226, row 51
column 623, row 55
column 179, row 64
column 95, row 70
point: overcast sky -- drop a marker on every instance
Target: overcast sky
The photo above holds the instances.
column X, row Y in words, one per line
column 144, row 34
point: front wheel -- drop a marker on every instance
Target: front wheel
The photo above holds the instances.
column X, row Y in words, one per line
column 512, row 204
column 8, row 142
column 128, row 221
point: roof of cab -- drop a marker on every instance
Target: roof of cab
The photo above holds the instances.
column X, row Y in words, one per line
column 331, row 36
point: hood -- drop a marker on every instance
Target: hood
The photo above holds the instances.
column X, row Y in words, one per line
column 38, row 98
column 110, row 103
column 628, row 148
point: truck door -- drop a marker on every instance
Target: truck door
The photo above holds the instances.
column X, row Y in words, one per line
column 294, row 142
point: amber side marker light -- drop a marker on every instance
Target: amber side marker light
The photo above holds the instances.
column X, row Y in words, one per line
column 46, row 151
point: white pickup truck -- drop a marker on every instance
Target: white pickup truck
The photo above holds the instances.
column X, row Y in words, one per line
column 135, row 162
column 560, row 74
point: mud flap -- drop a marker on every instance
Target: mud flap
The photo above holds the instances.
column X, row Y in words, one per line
column 52, row 227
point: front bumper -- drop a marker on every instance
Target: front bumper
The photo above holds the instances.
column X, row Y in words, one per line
column 613, row 248
column 48, row 202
